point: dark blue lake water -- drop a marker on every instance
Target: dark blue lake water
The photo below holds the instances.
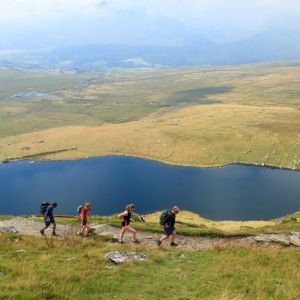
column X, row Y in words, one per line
column 109, row 183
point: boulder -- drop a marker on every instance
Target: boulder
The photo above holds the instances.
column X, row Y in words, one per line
column 8, row 229
column 265, row 238
column 108, row 236
column 283, row 240
column 121, row 257
column 295, row 233
column 295, row 240
column 262, row 238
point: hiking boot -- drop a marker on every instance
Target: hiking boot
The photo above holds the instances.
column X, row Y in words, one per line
column 54, row 234
column 136, row 242
column 158, row 243
column 121, row 242
column 42, row 232
column 173, row 244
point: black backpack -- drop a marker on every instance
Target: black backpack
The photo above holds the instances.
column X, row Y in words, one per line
column 163, row 217
column 43, row 207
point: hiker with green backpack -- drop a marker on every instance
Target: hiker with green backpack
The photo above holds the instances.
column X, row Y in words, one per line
column 168, row 219
column 46, row 210
column 84, row 212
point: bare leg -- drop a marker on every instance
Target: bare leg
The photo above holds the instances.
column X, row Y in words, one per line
column 53, row 228
column 173, row 236
column 164, row 237
column 123, row 230
column 86, row 230
column 133, row 231
column 42, row 231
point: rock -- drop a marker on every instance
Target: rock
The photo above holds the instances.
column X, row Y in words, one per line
column 295, row 240
column 8, row 229
column 262, row 238
column 295, row 233
column 97, row 229
column 281, row 240
column 20, row 250
column 121, row 257
column 109, row 236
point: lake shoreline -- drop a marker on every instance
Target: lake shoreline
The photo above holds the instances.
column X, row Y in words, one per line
column 210, row 166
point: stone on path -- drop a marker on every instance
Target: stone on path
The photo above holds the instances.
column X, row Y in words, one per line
column 121, row 257
column 8, row 229
column 295, row 240
column 109, row 236
column 281, row 240
column 265, row 238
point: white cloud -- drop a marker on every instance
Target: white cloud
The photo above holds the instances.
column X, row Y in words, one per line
column 230, row 18
column 195, row 12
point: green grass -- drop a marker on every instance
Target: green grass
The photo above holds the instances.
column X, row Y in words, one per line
column 203, row 117
column 237, row 273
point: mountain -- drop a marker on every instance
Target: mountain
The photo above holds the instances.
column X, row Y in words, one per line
column 184, row 48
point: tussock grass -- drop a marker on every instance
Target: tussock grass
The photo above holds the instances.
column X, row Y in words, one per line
column 81, row 272
column 200, row 117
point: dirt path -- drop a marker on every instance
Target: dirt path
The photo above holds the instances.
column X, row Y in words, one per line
column 28, row 227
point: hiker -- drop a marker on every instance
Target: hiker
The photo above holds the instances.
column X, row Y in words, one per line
column 168, row 219
column 126, row 216
column 84, row 212
column 49, row 218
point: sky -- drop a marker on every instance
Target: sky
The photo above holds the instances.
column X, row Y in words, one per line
column 49, row 23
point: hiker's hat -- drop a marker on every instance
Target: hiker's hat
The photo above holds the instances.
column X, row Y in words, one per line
column 87, row 204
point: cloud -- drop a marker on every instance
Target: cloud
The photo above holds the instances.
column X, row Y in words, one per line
column 59, row 18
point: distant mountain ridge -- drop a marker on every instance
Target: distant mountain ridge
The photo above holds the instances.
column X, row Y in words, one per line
column 268, row 45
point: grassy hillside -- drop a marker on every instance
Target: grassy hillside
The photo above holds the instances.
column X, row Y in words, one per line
column 77, row 269
column 203, row 117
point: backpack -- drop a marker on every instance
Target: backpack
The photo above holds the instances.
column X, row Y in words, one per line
column 79, row 208
column 43, row 207
column 163, row 217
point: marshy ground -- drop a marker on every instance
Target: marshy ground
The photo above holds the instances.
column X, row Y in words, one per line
column 200, row 117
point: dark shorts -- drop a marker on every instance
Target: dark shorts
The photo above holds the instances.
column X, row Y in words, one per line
column 84, row 222
column 169, row 230
column 49, row 221
column 124, row 223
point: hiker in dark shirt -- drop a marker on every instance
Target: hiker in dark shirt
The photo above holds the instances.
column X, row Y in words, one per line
column 49, row 219
column 169, row 219
column 126, row 219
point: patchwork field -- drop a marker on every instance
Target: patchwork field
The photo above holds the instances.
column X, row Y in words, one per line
column 201, row 117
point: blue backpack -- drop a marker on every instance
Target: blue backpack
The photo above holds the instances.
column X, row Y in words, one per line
column 79, row 208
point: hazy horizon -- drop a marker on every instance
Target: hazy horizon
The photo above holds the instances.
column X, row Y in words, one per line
column 35, row 24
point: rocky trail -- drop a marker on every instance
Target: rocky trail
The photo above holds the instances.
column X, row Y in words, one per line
column 23, row 226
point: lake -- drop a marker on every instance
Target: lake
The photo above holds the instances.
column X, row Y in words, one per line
column 233, row 192
column 34, row 95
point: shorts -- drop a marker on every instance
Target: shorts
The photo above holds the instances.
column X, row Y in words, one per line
column 49, row 220
column 124, row 223
column 84, row 222
column 169, row 230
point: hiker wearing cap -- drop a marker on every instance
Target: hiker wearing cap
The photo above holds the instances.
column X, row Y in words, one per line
column 168, row 219
column 49, row 219
column 84, row 213
column 126, row 219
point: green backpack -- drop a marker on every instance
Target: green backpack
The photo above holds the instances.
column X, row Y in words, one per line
column 163, row 217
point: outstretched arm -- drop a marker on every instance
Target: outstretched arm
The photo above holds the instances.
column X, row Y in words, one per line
column 123, row 214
